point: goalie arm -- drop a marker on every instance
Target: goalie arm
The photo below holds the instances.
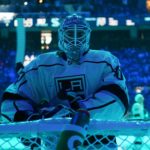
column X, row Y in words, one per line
column 26, row 112
column 103, row 104
column 112, row 93
column 16, row 110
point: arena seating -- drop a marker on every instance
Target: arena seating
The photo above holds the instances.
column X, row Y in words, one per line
column 88, row 8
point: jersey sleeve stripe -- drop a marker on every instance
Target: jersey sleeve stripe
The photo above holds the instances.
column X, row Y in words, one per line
column 8, row 95
column 101, row 106
column 13, row 97
column 22, row 83
column 35, row 69
column 117, row 91
column 99, row 62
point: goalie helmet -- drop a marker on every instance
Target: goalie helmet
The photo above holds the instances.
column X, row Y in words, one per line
column 74, row 36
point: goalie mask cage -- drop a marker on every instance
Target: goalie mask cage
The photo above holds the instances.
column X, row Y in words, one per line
column 101, row 135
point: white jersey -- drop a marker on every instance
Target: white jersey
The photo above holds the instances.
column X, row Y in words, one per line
column 97, row 79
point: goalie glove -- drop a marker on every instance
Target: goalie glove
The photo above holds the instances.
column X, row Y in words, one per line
column 73, row 99
column 25, row 115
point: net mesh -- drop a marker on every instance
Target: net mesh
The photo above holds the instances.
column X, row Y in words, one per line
column 101, row 135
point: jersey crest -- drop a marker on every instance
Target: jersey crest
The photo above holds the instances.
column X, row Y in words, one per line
column 71, row 83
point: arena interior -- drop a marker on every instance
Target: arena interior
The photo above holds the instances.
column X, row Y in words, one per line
column 119, row 26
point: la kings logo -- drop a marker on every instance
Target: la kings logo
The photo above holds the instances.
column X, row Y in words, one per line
column 71, row 83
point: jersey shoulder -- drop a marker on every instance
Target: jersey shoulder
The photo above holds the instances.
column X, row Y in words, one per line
column 43, row 59
column 47, row 57
column 101, row 55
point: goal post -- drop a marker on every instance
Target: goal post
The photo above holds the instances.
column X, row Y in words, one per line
column 20, row 40
column 44, row 135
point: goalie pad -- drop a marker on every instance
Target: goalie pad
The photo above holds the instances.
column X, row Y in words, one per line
column 74, row 134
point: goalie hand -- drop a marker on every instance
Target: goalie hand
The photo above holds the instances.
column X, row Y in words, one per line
column 73, row 99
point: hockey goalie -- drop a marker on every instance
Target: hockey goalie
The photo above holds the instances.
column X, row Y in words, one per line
column 88, row 82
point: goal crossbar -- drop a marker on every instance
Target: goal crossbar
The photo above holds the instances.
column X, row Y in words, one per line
column 57, row 125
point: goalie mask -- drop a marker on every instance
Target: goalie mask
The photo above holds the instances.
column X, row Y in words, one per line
column 74, row 36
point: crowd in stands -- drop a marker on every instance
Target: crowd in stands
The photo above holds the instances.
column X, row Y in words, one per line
column 135, row 66
column 7, row 68
column 87, row 7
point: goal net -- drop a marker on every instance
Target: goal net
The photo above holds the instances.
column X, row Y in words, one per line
column 101, row 135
